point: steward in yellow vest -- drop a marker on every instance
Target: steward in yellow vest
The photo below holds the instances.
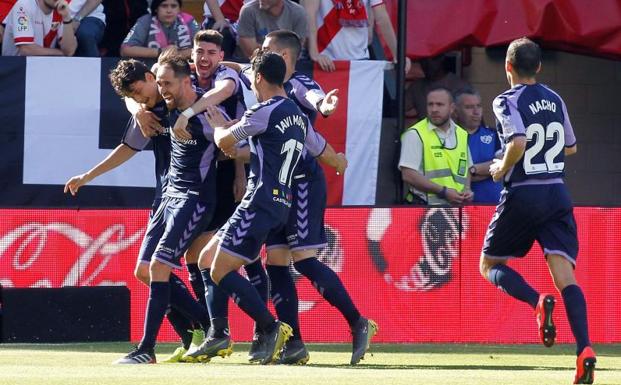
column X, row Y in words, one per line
column 442, row 165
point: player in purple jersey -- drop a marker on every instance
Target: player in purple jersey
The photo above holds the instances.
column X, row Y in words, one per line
column 187, row 205
column 276, row 131
column 222, row 87
column 305, row 233
column 221, row 84
column 133, row 80
column 536, row 133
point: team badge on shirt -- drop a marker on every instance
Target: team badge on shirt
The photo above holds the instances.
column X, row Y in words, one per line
column 486, row 139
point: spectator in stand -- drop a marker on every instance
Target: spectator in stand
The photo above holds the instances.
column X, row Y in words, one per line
column 483, row 143
column 222, row 16
column 434, row 156
column 89, row 23
column 258, row 18
column 120, row 17
column 165, row 26
column 39, row 28
column 339, row 30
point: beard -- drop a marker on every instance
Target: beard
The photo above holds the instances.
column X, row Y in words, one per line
column 438, row 122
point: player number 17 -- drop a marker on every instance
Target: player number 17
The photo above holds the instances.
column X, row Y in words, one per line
column 293, row 149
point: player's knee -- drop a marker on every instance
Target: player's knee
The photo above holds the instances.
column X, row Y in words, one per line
column 196, row 249
column 216, row 275
column 204, row 261
column 562, row 271
column 141, row 272
column 484, row 266
column 191, row 256
column 159, row 271
column 207, row 253
column 278, row 257
column 300, row 255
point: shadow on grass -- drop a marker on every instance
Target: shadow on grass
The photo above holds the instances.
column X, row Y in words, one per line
column 440, row 367
column 612, row 350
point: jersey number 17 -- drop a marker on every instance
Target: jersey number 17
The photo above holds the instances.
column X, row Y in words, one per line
column 292, row 150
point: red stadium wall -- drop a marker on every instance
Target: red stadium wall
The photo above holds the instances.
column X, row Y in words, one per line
column 421, row 282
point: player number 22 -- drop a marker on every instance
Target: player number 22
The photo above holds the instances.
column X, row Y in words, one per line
column 293, row 149
column 553, row 131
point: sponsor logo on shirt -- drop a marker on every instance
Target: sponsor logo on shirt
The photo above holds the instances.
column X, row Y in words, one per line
column 22, row 23
column 486, row 139
column 191, row 142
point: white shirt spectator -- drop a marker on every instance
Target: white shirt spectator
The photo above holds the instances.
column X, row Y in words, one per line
column 27, row 24
column 340, row 42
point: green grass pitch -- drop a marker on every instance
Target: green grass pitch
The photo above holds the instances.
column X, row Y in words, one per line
column 90, row 364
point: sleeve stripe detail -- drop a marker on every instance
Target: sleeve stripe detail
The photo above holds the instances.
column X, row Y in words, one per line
column 239, row 133
column 23, row 40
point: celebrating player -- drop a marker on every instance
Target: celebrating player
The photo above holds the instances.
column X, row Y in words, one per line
column 535, row 204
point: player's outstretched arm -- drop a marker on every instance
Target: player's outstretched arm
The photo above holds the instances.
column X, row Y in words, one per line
column 329, row 103
column 317, row 146
column 222, row 90
column 338, row 161
column 233, row 65
column 571, row 150
column 121, row 154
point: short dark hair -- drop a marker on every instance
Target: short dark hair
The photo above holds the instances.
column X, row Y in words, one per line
column 270, row 65
column 175, row 61
column 155, row 4
column 286, row 39
column 525, row 57
column 126, row 73
column 465, row 91
column 208, row 36
column 440, row 88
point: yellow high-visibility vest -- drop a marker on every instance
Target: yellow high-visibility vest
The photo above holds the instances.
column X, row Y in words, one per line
column 444, row 166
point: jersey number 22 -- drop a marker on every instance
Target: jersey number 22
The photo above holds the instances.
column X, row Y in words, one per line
column 553, row 132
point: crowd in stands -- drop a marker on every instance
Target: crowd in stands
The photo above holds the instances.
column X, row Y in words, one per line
column 331, row 30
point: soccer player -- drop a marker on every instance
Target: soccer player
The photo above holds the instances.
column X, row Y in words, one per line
column 188, row 203
column 132, row 79
column 535, row 205
column 305, row 232
column 222, row 87
column 276, row 131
